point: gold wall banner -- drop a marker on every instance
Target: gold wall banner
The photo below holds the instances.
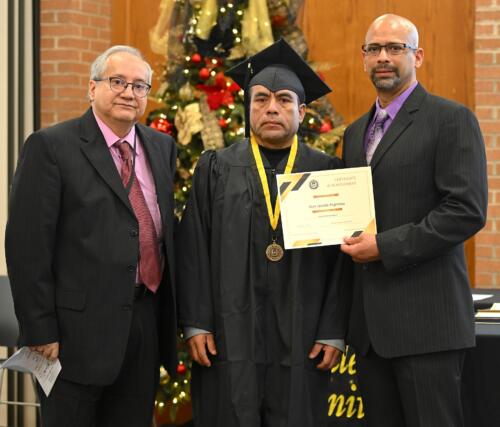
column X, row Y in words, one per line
column 345, row 404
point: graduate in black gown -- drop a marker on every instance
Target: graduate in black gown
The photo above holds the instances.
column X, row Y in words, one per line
column 262, row 324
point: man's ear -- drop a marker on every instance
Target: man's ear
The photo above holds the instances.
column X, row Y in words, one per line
column 91, row 94
column 302, row 112
column 419, row 57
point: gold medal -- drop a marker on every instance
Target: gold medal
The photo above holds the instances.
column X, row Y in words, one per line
column 274, row 252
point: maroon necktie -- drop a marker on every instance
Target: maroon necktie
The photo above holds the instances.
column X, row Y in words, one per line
column 149, row 255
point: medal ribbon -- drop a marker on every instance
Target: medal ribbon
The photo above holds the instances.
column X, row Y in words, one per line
column 273, row 216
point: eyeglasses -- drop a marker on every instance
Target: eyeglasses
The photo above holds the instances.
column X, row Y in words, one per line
column 119, row 85
column 393, row 49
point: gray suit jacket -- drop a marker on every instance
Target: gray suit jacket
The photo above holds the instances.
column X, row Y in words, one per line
column 430, row 189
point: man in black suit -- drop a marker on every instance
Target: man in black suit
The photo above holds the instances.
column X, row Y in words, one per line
column 411, row 315
column 89, row 248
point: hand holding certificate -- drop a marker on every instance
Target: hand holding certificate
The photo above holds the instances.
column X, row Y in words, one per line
column 321, row 208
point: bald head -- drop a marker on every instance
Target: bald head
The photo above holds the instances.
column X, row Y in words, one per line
column 394, row 24
column 391, row 55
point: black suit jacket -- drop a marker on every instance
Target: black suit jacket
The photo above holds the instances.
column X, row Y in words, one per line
column 72, row 247
column 430, row 190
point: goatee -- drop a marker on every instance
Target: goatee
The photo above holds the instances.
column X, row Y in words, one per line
column 385, row 83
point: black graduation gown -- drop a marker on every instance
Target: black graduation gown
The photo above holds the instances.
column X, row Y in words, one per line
column 265, row 315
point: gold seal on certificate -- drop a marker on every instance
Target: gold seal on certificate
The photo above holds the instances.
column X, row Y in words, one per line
column 274, row 252
column 321, row 208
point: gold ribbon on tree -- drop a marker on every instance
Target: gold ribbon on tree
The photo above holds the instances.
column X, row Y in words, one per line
column 256, row 29
column 211, row 133
column 207, row 19
column 158, row 35
column 188, row 121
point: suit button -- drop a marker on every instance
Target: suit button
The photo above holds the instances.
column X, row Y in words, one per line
column 126, row 307
column 131, row 268
column 134, row 233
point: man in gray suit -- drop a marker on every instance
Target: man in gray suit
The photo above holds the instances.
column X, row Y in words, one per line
column 411, row 316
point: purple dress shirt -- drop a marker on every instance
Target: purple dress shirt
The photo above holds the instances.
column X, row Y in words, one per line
column 392, row 109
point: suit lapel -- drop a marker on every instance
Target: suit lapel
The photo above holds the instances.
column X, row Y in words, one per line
column 403, row 119
column 96, row 150
column 400, row 123
column 158, row 170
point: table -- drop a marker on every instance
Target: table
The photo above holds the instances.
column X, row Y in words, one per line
column 481, row 375
column 480, row 387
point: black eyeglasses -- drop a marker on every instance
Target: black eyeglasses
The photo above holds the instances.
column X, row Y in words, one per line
column 393, row 49
column 119, row 85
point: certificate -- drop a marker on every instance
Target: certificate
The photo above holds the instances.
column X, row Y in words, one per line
column 321, row 208
column 25, row 360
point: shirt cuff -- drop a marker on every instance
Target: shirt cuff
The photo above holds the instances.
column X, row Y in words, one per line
column 338, row 344
column 190, row 332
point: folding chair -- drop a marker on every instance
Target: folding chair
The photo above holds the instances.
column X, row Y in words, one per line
column 9, row 332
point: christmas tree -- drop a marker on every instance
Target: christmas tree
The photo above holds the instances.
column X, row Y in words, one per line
column 203, row 109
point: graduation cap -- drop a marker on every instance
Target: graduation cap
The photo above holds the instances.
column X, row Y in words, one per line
column 278, row 67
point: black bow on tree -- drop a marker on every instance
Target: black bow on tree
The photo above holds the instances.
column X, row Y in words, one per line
column 221, row 39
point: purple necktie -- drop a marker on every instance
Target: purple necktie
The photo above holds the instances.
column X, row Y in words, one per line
column 376, row 133
column 149, row 254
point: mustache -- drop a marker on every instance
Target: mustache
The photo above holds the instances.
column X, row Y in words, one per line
column 385, row 67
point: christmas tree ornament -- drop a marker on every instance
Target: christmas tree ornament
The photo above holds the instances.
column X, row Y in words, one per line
column 279, row 21
column 186, row 92
column 162, row 125
column 220, row 80
column 223, row 123
column 196, row 58
column 181, row 369
column 204, row 74
column 325, row 127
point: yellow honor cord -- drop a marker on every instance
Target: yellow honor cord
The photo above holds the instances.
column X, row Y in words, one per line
column 273, row 216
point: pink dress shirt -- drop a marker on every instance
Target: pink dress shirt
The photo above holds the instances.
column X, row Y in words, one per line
column 142, row 172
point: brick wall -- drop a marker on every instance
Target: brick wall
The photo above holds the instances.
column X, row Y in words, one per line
column 73, row 33
column 487, row 83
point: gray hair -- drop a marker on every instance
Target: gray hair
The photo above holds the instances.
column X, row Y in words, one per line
column 99, row 65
